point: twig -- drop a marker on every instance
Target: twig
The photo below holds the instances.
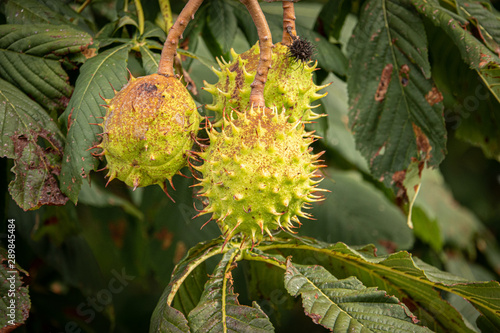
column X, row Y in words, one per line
column 170, row 47
column 288, row 23
column 266, row 44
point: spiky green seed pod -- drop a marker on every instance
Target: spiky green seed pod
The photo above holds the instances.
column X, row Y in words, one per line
column 258, row 173
column 149, row 127
column 289, row 84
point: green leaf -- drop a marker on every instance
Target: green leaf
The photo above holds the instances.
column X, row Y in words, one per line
column 195, row 256
column 485, row 296
column 94, row 194
column 427, row 229
column 221, row 23
column 15, row 303
column 394, row 109
column 331, row 18
column 43, row 79
column 127, row 20
column 189, row 294
column 459, row 227
column 347, row 305
column 43, row 40
column 33, row 140
column 31, row 11
column 481, row 15
column 415, row 283
column 265, row 284
column 357, row 213
column 219, row 310
column 150, row 60
column 152, row 30
column 172, row 321
column 98, row 76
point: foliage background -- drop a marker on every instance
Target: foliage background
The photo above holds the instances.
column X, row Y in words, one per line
column 72, row 252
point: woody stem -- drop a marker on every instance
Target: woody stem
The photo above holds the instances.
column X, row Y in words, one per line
column 166, row 65
column 266, row 44
column 288, row 23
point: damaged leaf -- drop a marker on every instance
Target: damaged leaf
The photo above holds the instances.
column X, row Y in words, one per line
column 469, row 74
column 418, row 285
column 30, row 59
column 346, row 304
column 395, row 113
column 35, row 168
column 32, row 139
column 474, row 53
column 43, row 79
column 219, row 309
column 481, row 15
column 43, row 40
column 163, row 315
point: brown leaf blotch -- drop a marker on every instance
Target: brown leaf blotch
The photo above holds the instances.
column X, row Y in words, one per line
column 423, row 144
column 434, row 96
column 383, row 85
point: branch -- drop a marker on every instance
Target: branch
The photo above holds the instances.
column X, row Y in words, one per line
column 288, row 23
column 166, row 66
column 266, row 44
